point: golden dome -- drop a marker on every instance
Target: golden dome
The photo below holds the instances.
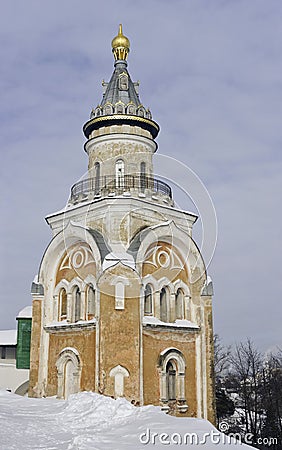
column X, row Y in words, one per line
column 120, row 45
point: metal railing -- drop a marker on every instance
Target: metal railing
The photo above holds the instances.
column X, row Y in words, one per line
column 107, row 184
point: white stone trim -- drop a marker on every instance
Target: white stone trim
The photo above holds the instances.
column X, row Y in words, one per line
column 198, row 377
column 90, row 280
column 176, row 357
column 150, row 279
column 164, row 282
column 68, row 354
column 169, row 232
column 119, row 373
column 179, row 284
column 75, row 282
column 120, row 281
column 63, row 284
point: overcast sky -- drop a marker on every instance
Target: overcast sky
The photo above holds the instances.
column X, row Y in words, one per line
column 210, row 71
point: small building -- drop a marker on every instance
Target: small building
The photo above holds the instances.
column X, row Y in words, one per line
column 14, row 355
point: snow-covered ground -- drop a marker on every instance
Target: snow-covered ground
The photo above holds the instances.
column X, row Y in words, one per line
column 89, row 421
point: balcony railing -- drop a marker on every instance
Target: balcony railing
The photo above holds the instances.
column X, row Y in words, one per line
column 106, row 185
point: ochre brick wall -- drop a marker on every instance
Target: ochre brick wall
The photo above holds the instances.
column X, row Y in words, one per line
column 84, row 342
column 120, row 333
column 154, row 343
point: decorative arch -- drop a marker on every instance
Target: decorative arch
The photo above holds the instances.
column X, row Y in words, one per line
column 69, row 372
column 131, row 108
column 141, row 111
column 170, row 233
column 70, row 235
column 119, row 107
column 62, row 284
column 179, row 284
column 119, row 373
column 90, row 279
column 172, row 376
column 76, row 282
column 108, row 109
column 164, row 282
column 150, row 279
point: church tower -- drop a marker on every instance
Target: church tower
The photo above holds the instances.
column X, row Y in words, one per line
column 122, row 304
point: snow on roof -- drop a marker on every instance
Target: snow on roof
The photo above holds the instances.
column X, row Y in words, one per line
column 179, row 323
column 25, row 312
column 8, row 337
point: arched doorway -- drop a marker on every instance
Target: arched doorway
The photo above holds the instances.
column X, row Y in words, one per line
column 69, row 370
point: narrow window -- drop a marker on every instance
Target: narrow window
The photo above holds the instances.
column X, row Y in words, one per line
column 63, row 304
column 179, row 304
column 123, row 83
column 119, row 295
column 90, row 302
column 119, row 109
column 77, row 304
column 97, row 177
column 163, row 305
column 170, row 381
column 108, row 110
column 142, row 176
column 148, row 300
column 119, row 173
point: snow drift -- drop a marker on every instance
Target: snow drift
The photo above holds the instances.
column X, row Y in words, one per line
column 89, row 421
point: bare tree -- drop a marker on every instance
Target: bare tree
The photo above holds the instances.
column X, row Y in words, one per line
column 224, row 404
column 272, row 400
column 221, row 355
column 247, row 366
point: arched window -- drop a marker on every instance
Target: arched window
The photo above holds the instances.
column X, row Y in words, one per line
column 131, row 109
column 77, row 304
column 179, row 299
column 171, row 381
column 142, row 176
column 148, row 300
column 90, row 302
column 141, row 112
column 108, row 110
column 163, row 305
column 123, row 83
column 119, row 108
column 97, row 177
column 119, row 173
column 62, row 304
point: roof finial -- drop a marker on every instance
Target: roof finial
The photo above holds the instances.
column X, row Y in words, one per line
column 120, row 45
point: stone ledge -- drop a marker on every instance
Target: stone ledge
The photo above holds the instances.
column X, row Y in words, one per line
column 67, row 327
